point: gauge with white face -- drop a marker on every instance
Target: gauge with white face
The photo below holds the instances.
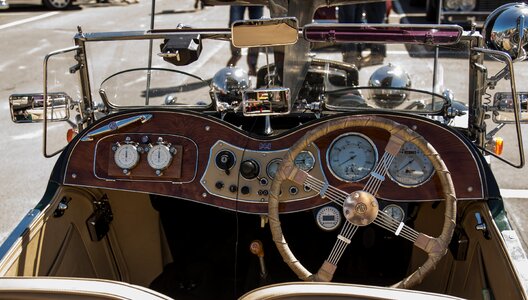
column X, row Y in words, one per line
column 328, row 218
column 304, row 161
column 411, row 167
column 126, row 156
column 395, row 212
column 351, row 157
column 272, row 167
column 159, row 157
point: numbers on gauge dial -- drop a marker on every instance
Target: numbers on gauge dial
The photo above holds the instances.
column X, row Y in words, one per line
column 351, row 157
column 305, row 161
column 126, row 156
column 159, row 157
column 411, row 167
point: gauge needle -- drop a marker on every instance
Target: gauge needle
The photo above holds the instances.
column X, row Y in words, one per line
column 351, row 158
column 408, row 163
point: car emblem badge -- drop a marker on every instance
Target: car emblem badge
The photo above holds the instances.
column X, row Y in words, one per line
column 265, row 146
column 112, row 125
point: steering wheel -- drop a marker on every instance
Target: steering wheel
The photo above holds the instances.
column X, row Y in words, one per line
column 360, row 207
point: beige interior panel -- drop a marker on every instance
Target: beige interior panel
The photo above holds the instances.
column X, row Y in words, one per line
column 61, row 246
column 485, row 268
column 56, row 242
column 488, row 267
column 139, row 242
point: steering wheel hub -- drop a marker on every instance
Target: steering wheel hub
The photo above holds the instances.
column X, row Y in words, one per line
column 360, row 208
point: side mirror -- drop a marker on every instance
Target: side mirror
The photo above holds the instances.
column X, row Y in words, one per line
column 29, row 108
column 504, row 103
column 266, row 102
column 264, row 32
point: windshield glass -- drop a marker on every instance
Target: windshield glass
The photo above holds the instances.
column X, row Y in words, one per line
column 341, row 75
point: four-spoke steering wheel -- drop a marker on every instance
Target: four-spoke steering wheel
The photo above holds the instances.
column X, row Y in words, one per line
column 360, row 208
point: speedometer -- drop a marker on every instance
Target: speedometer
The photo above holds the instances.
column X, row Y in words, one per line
column 351, row 157
column 411, row 167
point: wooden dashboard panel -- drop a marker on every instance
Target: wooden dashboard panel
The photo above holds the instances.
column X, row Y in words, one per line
column 90, row 162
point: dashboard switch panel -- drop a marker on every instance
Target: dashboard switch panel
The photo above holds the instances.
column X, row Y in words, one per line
column 248, row 173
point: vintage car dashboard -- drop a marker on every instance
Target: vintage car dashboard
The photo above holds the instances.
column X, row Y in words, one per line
column 204, row 159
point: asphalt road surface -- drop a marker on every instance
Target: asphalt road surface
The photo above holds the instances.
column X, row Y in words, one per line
column 29, row 33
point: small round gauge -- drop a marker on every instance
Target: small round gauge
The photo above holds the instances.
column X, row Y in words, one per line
column 159, row 157
column 272, row 167
column 394, row 211
column 304, row 161
column 411, row 167
column 126, row 156
column 328, row 218
column 351, row 157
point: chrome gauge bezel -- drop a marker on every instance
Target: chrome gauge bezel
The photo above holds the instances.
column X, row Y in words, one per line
column 133, row 151
column 325, row 224
column 389, row 207
column 312, row 164
column 154, row 165
column 422, row 181
column 271, row 163
column 367, row 139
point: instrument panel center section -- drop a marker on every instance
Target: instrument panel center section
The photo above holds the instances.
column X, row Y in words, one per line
column 246, row 175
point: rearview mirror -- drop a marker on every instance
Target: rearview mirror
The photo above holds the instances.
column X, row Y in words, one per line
column 264, row 32
column 266, row 102
column 29, row 108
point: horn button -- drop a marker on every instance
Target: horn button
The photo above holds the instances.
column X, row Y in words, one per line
column 360, row 208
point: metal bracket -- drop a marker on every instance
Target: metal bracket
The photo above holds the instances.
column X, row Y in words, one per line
column 481, row 226
column 61, row 207
column 99, row 222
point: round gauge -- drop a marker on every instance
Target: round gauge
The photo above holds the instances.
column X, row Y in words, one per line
column 328, row 218
column 272, row 167
column 304, row 161
column 395, row 211
column 159, row 157
column 351, row 157
column 411, row 167
column 126, row 156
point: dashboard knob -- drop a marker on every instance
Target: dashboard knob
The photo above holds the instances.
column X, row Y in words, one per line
column 245, row 190
column 219, row 185
column 249, row 169
column 233, row 188
column 225, row 160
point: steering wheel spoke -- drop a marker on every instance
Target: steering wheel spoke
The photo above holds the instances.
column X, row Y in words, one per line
column 397, row 228
column 377, row 176
column 326, row 271
column 325, row 190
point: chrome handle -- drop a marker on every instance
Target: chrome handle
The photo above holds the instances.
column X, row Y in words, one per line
column 116, row 125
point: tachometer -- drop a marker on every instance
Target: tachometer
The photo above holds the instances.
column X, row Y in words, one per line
column 351, row 157
column 411, row 167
